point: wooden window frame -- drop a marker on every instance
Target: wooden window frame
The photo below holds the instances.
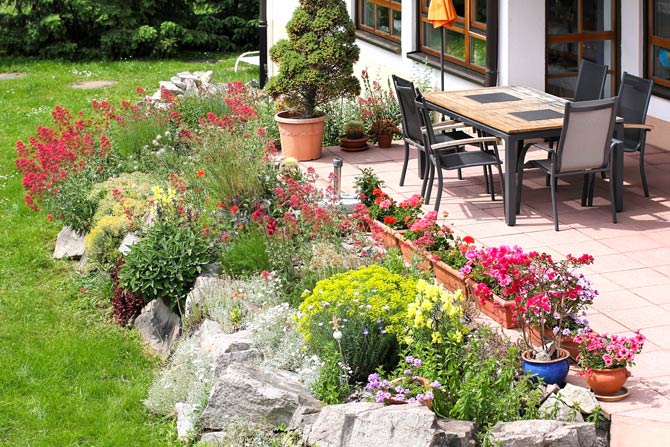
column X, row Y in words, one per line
column 392, row 5
column 582, row 36
column 661, row 86
column 465, row 25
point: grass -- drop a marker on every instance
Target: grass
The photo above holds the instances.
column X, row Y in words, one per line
column 68, row 375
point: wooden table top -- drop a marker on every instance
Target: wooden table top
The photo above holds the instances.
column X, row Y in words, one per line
column 508, row 109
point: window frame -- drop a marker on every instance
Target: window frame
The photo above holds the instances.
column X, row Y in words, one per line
column 393, row 5
column 465, row 25
column 661, row 86
column 581, row 36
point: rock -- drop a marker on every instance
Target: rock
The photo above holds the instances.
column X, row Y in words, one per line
column 186, row 420
column 128, row 241
column 376, row 425
column 191, row 88
column 169, row 86
column 204, row 287
column 204, row 76
column 555, row 408
column 578, row 397
column 543, row 433
column 159, row 327
column 214, row 438
column 176, row 80
column 223, row 361
column 303, row 419
column 261, row 395
column 69, row 244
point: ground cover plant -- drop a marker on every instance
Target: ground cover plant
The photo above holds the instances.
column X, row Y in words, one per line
column 70, row 376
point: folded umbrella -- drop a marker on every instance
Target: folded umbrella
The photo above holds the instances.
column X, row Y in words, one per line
column 441, row 13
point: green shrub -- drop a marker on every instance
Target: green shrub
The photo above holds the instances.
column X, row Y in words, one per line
column 166, row 262
column 332, row 386
column 368, row 306
column 246, row 254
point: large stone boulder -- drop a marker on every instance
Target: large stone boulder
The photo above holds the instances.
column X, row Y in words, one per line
column 69, row 244
column 543, row 433
column 376, row 425
column 204, row 287
column 254, row 394
column 224, row 348
column 159, row 327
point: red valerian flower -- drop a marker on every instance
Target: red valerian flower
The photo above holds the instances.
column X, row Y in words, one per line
column 201, row 173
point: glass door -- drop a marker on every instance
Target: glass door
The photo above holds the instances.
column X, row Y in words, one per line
column 576, row 30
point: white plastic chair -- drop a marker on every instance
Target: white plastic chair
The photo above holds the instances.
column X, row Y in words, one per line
column 250, row 57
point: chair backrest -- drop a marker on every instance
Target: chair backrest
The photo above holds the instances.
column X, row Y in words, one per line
column 406, row 92
column 634, row 97
column 587, row 135
column 590, row 81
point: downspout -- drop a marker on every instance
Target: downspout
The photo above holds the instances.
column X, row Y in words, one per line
column 492, row 18
column 263, row 44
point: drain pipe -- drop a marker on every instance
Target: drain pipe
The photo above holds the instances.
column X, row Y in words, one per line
column 263, row 44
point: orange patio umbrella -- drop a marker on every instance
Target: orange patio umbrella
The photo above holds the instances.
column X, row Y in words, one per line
column 441, row 13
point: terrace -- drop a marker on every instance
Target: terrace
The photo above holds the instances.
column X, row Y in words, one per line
column 632, row 258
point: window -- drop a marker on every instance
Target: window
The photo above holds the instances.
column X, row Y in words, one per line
column 576, row 30
column 465, row 40
column 380, row 17
column 658, row 46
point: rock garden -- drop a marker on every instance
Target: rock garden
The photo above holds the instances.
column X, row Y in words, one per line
column 285, row 318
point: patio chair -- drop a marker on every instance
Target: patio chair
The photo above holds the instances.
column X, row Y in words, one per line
column 412, row 122
column 441, row 156
column 590, row 81
column 249, row 57
column 634, row 96
column 584, row 148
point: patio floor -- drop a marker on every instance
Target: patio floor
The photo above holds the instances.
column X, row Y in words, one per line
column 632, row 258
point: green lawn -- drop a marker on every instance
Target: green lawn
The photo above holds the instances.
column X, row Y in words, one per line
column 68, row 376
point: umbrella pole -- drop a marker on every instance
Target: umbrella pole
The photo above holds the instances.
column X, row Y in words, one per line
column 442, row 58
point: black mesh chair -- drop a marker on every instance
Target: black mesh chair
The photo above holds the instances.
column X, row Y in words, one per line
column 441, row 156
column 412, row 122
column 634, row 96
column 585, row 147
column 590, row 81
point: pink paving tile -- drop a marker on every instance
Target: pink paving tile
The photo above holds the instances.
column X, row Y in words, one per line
column 630, row 243
column 594, row 248
column 655, row 294
column 661, row 385
column 615, row 300
column 663, row 269
column 659, row 336
column 602, row 284
column 603, row 323
column 613, row 263
column 652, row 257
column 637, row 278
column 641, row 317
column 652, row 365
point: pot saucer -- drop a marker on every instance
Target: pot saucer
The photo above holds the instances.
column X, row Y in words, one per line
column 619, row 395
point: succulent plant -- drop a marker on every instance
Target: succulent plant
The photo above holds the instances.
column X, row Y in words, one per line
column 354, row 129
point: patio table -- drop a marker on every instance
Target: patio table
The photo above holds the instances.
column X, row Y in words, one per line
column 513, row 114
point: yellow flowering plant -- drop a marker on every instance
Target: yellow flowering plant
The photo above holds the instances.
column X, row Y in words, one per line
column 366, row 307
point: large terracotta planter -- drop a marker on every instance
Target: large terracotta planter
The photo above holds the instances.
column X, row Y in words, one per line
column 449, row 277
column 385, row 235
column 605, row 382
column 500, row 310
column 412, row 253
column 301, row 138
column 550, row 371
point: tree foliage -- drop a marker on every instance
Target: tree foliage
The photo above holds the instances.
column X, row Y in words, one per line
column 316, row 61
column 76, row 29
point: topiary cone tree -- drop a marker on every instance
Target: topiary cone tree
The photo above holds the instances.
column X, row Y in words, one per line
column 316, row 62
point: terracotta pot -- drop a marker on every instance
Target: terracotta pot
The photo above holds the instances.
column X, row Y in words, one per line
column 448, row 276
column 354, row 144
column 607, row 381
column 301, row 138
column 384, row 139
column 566, row 342
column 500, row 310
column 550, row 371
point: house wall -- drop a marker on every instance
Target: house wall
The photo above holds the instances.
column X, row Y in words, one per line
column 521, row 50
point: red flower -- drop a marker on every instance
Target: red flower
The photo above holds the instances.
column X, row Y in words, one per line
column 234, row 208
column 389, row 220
column 469, row 240
column 201, row 173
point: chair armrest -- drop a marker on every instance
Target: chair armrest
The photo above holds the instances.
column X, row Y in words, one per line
column 445, row 127
column 645, row 127
column 464, row 141
column 544, row 147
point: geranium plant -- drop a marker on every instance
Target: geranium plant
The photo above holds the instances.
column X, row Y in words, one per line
column 397, row 215
column 602, row 351
column 546, row 293
column 439, row 240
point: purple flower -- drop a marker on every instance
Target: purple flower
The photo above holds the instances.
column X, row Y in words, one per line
column 429, row 395
column 408, row 372
column 436, row 384
column 409, row 359
column 417, row 362
column 365, row 331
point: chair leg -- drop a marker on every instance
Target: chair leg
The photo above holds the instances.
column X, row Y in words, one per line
column 519, row 170
column 426, row 177
column 404, row 164
column 431, row 178
column 440, row 184
column 585, row 190
column 460, row 174
column 592, row 184
column 553, row 201
column 642, row 173
column 613, row 198
column 487, row 187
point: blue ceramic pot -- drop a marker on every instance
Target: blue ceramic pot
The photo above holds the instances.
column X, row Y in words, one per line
column 551, row 371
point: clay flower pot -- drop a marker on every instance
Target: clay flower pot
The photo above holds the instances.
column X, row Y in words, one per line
column 607, row 381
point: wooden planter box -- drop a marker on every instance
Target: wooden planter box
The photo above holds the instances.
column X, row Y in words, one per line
column 449, row 277
column 500, row 310
column 385, row 235
column 412, row 253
